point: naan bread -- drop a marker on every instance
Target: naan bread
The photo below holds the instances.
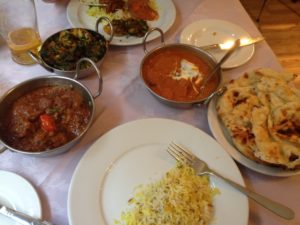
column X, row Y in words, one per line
column 236, row 116
column 261, row 112
column 284, row 122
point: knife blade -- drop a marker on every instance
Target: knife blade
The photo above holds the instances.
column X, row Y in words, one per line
column 20, row 217
column 228, row 44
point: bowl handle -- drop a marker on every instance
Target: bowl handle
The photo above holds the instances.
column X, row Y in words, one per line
column 112, row 33
column 38, row 59
column 2, row 149
column 162, row 39
column 100, row 86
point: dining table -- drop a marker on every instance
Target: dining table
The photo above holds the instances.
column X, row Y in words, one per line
column 125, row 98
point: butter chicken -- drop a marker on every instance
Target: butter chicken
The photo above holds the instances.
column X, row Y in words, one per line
column 176, row 74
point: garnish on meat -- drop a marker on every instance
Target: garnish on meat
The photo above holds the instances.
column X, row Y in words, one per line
column 130, row 27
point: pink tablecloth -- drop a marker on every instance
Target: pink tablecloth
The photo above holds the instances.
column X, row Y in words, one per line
column 124, row 98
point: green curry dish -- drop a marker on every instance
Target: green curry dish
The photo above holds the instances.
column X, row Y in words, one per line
column 65, row 48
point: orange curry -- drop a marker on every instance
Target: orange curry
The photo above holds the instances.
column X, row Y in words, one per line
column 160, row 72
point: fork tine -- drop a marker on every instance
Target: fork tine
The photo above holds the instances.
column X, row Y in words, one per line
column 183, row 151
column 179, row 155
column 174, row 155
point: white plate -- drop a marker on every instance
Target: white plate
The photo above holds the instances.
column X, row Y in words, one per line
column 134, row 154
column 78, row 17
column 222, row 136
column 17, row 193
column 211, row 31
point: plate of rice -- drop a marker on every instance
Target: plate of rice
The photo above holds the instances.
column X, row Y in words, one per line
column 127, row 177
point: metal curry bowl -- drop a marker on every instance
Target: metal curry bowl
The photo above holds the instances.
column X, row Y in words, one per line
column 60, row 52
column 27, row 86
column 208, row 60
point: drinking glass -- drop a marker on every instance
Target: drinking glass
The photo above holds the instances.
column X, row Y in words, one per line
column 18, row 26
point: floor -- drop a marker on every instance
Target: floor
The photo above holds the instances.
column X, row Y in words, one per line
column 280, row 25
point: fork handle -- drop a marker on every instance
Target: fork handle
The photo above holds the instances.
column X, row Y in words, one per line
column 273, row 206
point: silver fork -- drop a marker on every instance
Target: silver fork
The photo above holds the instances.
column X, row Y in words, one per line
column 184, row 156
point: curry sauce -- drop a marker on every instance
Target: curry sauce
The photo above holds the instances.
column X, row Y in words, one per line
column 176, row 74
column 45, row 118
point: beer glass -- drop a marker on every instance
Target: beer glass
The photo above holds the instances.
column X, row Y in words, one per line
column 18, row 26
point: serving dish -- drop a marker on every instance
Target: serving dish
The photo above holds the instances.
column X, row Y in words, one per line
column 127, row 157
column 211, row 31
column 173, row 73
column 78, row 17
column 60, row 52
column 11, row 96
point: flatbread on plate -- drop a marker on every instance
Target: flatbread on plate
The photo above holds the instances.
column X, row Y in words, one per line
column 261, row 112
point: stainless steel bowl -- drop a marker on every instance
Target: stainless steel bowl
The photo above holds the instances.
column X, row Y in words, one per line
column 19, row 90
column 205, row 56
column 70, row 73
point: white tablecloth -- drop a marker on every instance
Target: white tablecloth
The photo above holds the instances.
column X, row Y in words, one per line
column 125, row 98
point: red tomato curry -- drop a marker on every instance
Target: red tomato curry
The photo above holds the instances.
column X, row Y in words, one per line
column 45, row 118
column 158, row 73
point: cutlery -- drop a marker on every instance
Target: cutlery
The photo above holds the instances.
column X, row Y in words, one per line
column 218, row 92
column 236, row 44
column 184, row 156
column 21, row 217
column 228, row 44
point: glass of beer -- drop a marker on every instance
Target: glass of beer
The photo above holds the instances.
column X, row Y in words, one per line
column 18, row 26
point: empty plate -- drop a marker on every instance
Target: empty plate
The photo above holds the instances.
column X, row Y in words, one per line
column 18, row 194
column 212, row 31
